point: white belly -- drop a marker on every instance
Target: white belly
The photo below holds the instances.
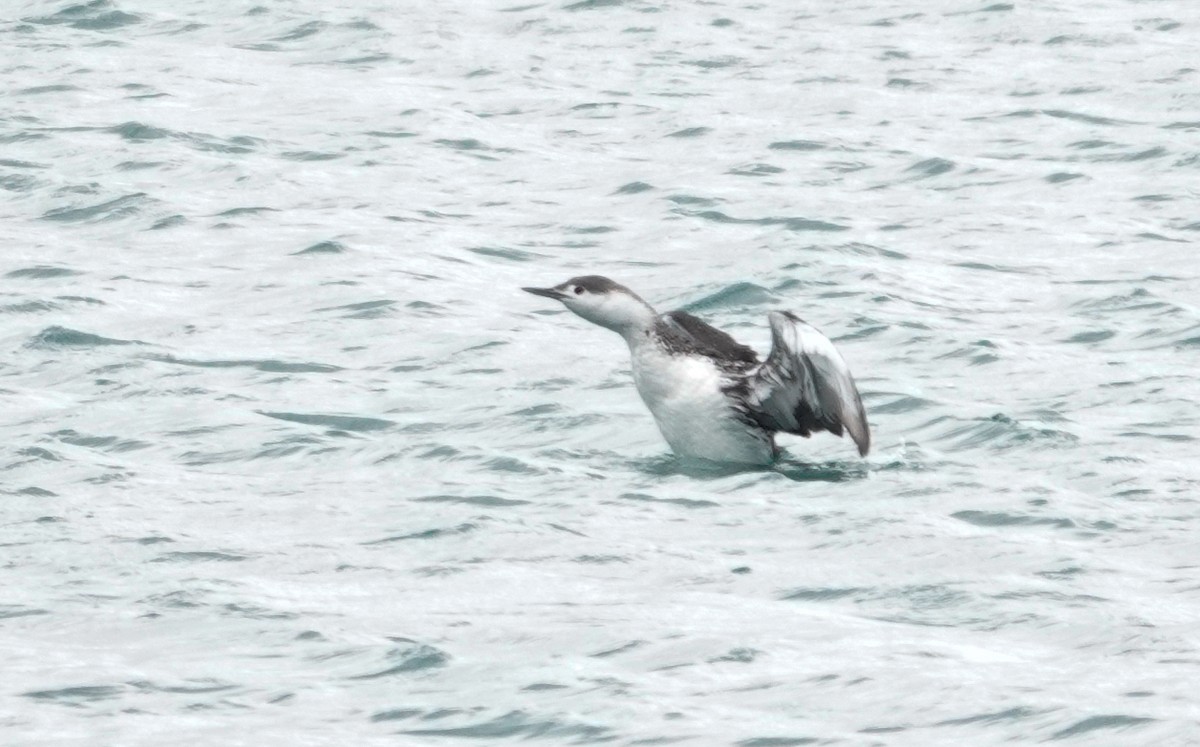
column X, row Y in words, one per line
column 684, row 395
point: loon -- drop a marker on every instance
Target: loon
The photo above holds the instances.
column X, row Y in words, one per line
column 710, row 395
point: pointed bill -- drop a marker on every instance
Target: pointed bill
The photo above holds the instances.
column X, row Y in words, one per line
column 547, row 292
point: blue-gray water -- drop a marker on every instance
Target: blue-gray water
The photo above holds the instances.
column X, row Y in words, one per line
column 287, row 457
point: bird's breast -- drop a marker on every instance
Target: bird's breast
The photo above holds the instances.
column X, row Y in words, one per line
column 686, row 394
column 667, row 381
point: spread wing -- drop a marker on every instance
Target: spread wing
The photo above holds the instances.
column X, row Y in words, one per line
column 805, row 386
column 681, row 330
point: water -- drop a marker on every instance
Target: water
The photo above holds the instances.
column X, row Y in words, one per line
column 289, row 459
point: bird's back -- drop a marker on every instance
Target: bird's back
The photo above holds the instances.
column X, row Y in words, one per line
column 684, row 334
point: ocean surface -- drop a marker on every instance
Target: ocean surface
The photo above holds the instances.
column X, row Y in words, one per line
column 287, row 458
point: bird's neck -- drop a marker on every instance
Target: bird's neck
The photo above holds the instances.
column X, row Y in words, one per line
column 627, row 315
column 638, row 326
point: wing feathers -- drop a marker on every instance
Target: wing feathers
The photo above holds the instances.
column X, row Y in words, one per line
column 709, row 340
column 805, row 386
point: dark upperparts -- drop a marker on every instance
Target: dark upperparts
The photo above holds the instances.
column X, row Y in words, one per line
column 681, row 332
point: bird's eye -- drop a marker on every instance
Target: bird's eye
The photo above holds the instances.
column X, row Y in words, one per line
column 579, row 290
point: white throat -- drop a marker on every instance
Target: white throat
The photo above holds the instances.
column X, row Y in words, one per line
column 622, row 312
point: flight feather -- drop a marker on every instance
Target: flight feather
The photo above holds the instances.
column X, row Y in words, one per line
column 806, row 386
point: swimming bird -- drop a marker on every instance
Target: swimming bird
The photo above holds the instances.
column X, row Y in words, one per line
column 710, row 395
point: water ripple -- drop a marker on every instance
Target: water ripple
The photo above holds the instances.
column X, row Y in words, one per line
column 276, row 406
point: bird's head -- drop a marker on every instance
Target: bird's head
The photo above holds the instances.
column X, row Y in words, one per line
column 601, row 301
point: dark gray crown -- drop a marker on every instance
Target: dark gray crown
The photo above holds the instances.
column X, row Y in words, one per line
column 596, row 284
